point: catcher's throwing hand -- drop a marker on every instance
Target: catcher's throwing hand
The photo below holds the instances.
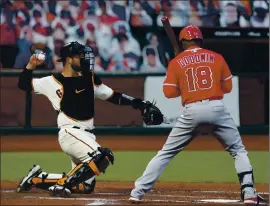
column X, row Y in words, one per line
column 34, row 61
column 151, row 114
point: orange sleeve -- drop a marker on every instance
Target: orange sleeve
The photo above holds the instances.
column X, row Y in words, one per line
column 170, row 85
column 226, row 77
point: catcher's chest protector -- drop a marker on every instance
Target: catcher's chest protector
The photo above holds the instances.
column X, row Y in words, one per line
column 77, row 99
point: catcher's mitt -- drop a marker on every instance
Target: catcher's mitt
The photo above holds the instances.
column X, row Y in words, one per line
column 152, row 114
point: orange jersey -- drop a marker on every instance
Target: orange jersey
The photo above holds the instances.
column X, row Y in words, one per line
column 197, row 74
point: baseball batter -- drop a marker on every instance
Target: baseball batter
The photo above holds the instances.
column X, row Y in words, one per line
column 201, row 77
column 72, row 95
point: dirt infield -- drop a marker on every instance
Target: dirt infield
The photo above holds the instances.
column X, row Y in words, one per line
column 116, row 143
column 117, row 193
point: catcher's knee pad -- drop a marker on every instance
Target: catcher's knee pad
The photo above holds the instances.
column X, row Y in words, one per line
column 101, row 159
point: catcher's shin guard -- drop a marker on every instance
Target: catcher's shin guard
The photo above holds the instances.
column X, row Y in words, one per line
column 45, row 180
column 84, row 171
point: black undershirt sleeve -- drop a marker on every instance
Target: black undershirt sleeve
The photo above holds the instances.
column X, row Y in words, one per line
column 123, row 99
column 25, row 80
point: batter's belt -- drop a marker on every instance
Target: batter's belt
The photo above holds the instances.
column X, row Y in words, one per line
column 209, row 99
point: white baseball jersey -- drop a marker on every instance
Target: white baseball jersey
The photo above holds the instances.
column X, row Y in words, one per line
column 52, row 89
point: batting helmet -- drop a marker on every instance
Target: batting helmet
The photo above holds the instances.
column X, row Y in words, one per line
column 190, row 32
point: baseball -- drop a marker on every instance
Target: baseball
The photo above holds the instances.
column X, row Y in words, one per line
column 41, row 57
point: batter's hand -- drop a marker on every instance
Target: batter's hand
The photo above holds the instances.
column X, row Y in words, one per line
column 34, row 61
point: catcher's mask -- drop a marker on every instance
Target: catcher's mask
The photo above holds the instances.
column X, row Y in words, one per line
column 72, row 49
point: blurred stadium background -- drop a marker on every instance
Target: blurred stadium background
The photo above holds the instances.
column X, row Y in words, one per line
column 131, row 46
column 132, row 53
column 128, row 36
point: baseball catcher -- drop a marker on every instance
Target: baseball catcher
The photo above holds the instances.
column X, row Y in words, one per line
column 72, row 95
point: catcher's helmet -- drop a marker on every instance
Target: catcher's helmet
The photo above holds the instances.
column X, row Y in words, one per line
column 69, row 50
column 190, row 32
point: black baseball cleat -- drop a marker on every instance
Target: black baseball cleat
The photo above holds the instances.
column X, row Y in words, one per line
column 59, row 190
column 25, row 184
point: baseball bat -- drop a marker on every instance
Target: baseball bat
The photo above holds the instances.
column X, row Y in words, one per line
column 170, row 33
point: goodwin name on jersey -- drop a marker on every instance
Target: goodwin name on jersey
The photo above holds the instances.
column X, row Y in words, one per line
column 196, row 58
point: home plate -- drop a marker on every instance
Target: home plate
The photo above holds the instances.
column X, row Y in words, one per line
column 219, row 201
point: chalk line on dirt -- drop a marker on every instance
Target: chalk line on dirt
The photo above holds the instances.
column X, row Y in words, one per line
column 191, row 191
column 110, row 201
column 148, row 195
column 68, row 199
column 111, row 193
column 98, row 201
column 219, row 192
column 105, row 201
column 7, row 191
column 219, row 201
